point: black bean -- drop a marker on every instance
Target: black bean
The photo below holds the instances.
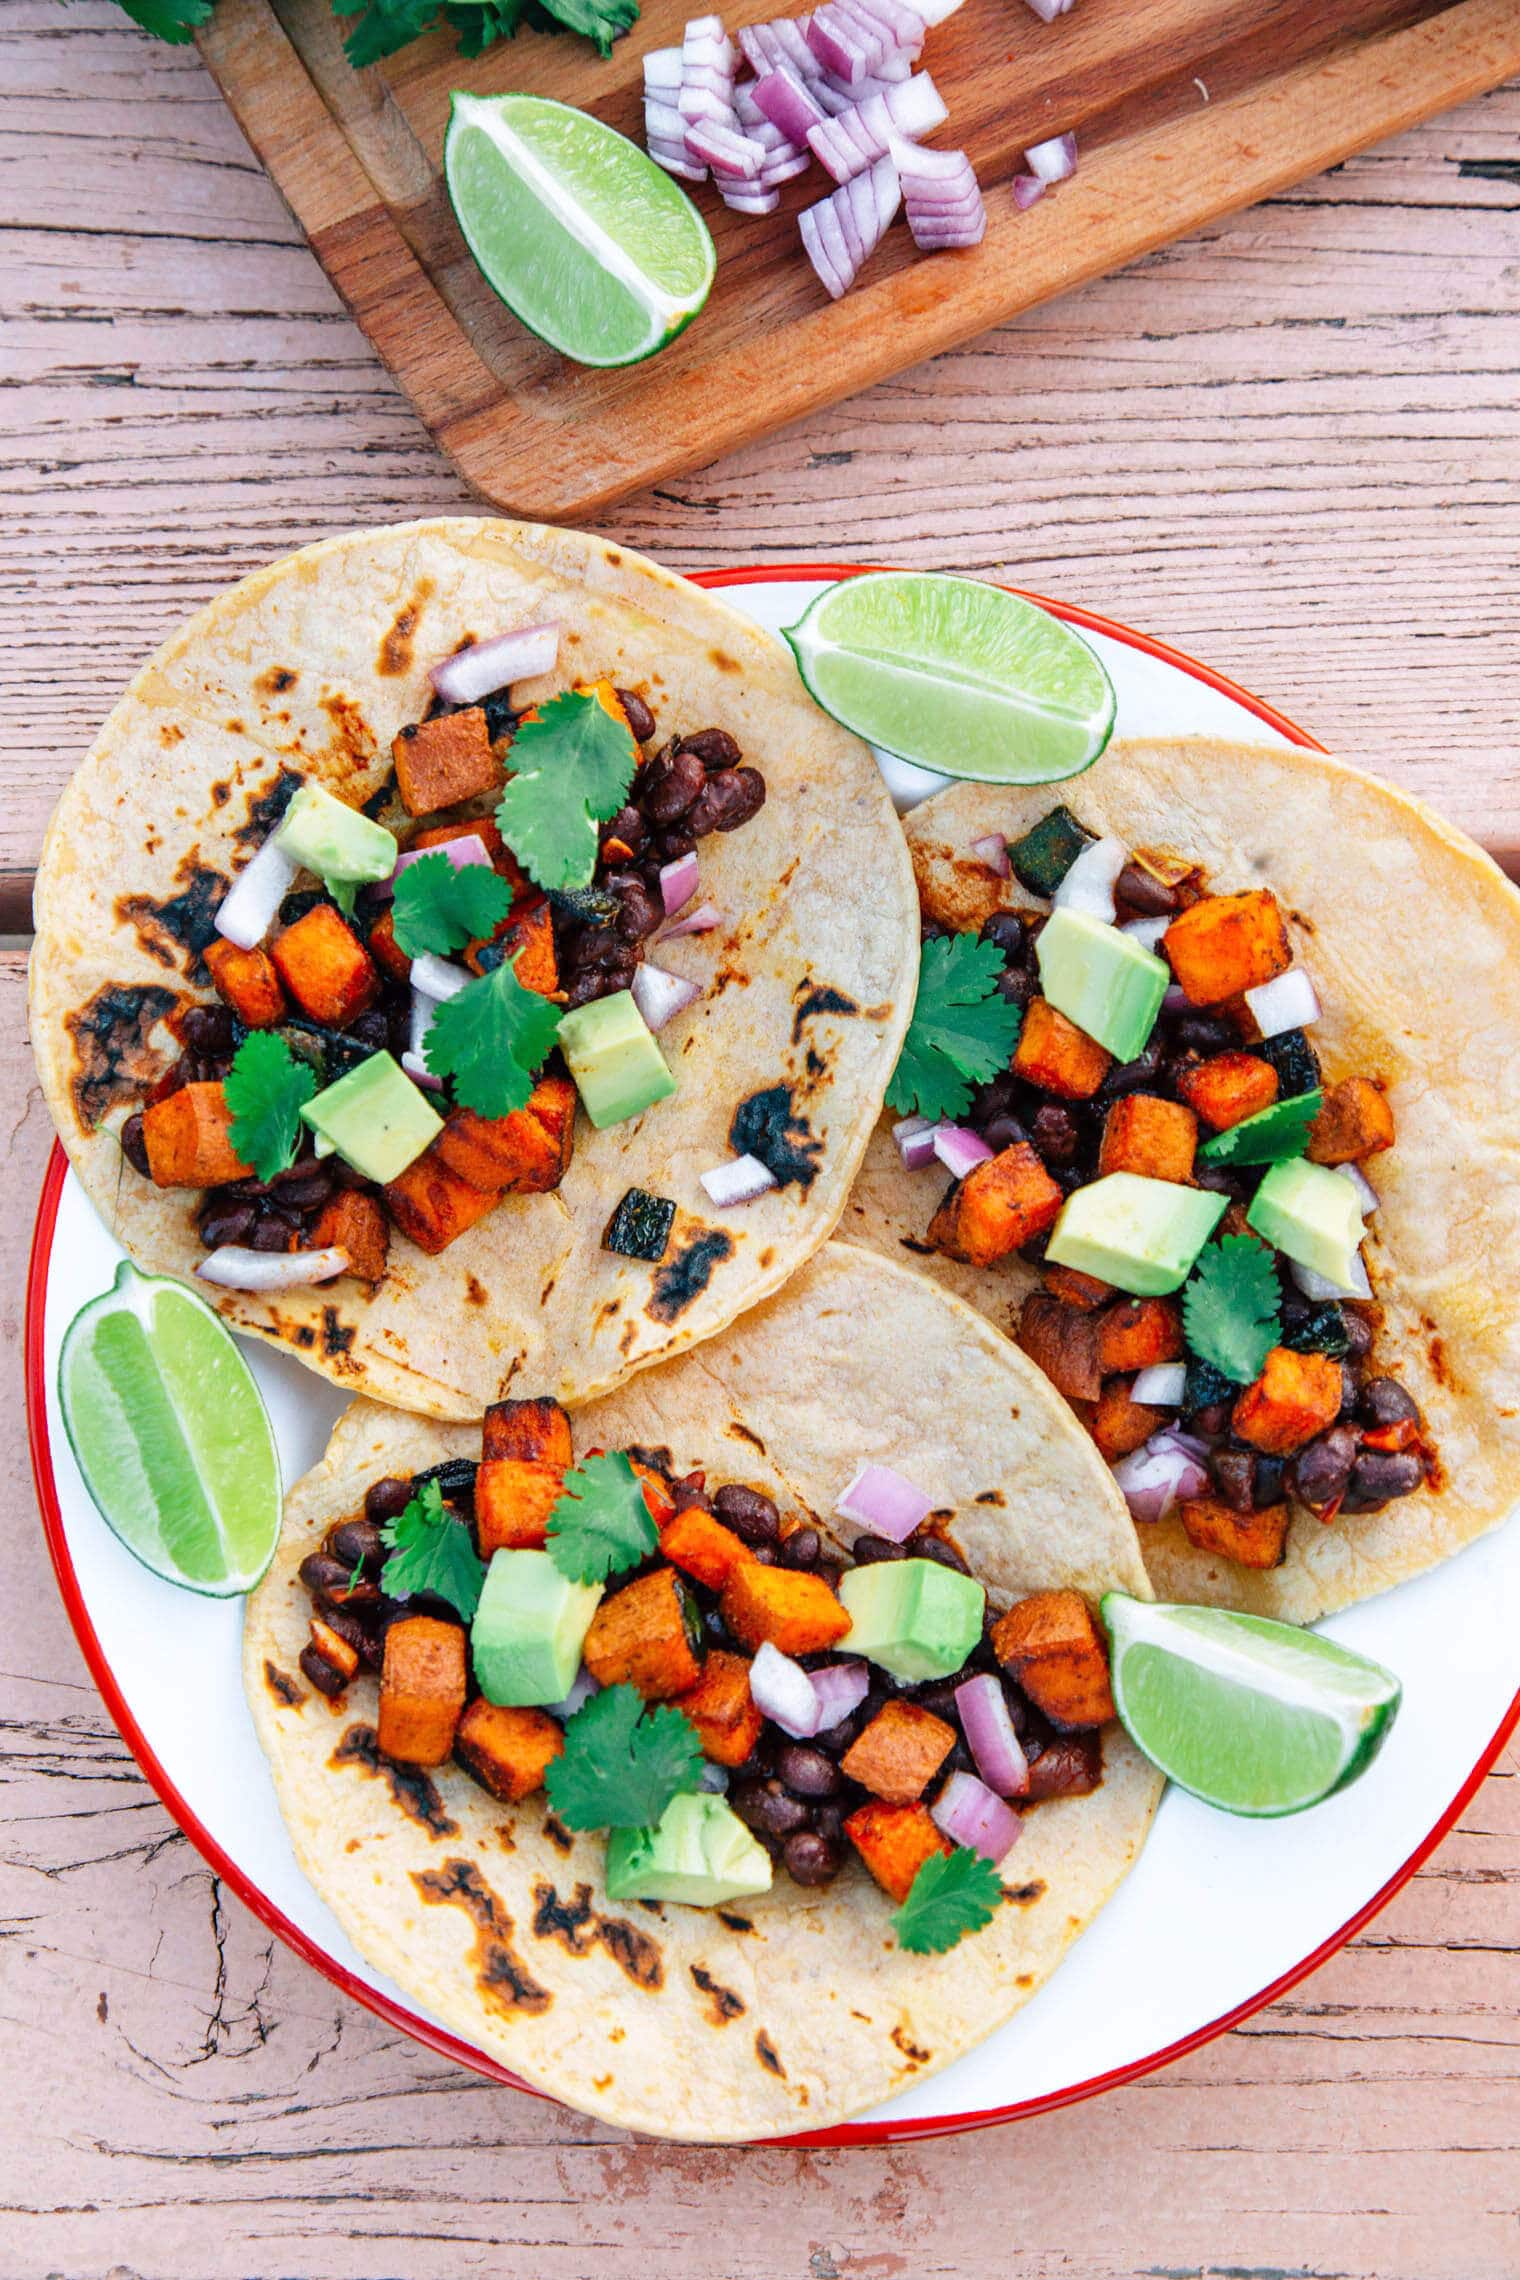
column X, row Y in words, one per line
column 1204, row 1033
column 1003, row 1132
column 208, row 1029
column 726, row 802
column 629, row 827
column 1378, row 1477
column 867, row 1551
column 1233, row 1472
column 1015, row 985
column 1351, row 1388
column 225, row 1222
column 836, row 1739
column 271, row 1234
column 1385, row 1402
column 938, row 1695
column 674, row 844
column 639, row 913
column 350, row 1627
column 133, row 1146
column 314, row 1187
column 1212, row 1420
column 1007, row 930
column 1139, row 1075
column 387, row 1499
column 714, row 747
column 357, row 1540
column 640, row 718
column 1322, row 1469
column 1220, row 1180
column 769, row 1555
column 320, row 1671
column 328, row 1578
column 1054, row 1133
column 1358, row 1330
column 811, row 1859
column 1143, row 893
column 674, row 788
column 1267, row 1487
column 828, row 1821
column 692, row 1490
column 766, row 1806
column 801, row 1549
column 926, row 1547
column 806, row 1772
column 750, row 1515
column 584, row 988
column 372, row 1029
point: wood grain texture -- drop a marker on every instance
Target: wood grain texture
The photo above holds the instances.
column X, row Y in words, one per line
column 1185, row 111
column 1291, row 445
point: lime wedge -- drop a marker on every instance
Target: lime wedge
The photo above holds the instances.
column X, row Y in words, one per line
column 599, row 252
column 1253, row 1716
column 956, row 676
column 171, row 1434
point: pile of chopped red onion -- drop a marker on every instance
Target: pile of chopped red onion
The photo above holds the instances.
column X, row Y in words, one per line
column 839, row 86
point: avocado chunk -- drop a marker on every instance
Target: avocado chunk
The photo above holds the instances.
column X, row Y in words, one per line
column 375, row 1117
column 1109, row 984
column 1140, row 1235
column 618, row 1068
column 914, row 1617
column 343, row 847
column 701, row 1854
column 1267, row 1137
column 529, row 1629
column 1313, row 1215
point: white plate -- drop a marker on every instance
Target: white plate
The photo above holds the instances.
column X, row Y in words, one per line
column 1218, row 1917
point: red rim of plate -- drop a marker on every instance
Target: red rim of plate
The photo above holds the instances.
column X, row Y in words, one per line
column 396, row 2014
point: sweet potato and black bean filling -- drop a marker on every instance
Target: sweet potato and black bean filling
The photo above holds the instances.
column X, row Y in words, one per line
column 642, row 1645
column 1125, row 1088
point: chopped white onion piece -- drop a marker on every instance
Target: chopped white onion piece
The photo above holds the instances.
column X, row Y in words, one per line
column 252, row 902
column 1055, row 160
column 485, row 666
column 915, row 1141
column 993, row 851
column 419, row 1072
column 740, row 1180
column 1320, row 1287
column 1026, row 189
column 662, row 68
column 885, row 1504
column 678, row 883
column 1288, row 1001
column 1366, row 1194
column 1089, row 884
column 439, row 978
column 702, row 920
column 1048, row 10
column 1162, row 1385
column 840, row 1688
column 232, row 1267
column 982, row 1708
column 782, row 1690
column 969, row 1813
column 660, row 996
column 960, row 1150
column 423, row 1009
column 1147, row 931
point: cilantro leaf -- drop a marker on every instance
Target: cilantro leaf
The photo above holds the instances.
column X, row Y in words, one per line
column 1231, row 1307
column 952, row 1894
column 490, row 1039
column 480, row 23
column 572, row 767
column 600, row 20
column 601, row 1523
column 1270, row 1136
column 440, row 909
column 383, row 26
column 431, row 1551
column 171, row 20
column 961, row 1033
column 266, row 1089
column 622, row 1764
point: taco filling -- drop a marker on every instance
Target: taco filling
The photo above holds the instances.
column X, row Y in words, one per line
column 717, row 1684
column 1126, row 1091
column 414, row 995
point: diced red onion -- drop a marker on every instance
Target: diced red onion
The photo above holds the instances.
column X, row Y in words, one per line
column 699, row 106
column 915, row 1141
column 1055, row 160
column 936, row 11
column 838, row 46
column 969, row 1813
column 949, row 236
column 740, row 1180
column 423, row 1009
column 1147, row 931
column 439, row 978
column 982, row 1708
column 702, row 920
column 1366, row 1194
column 251, row 904
column 903, row 24
column 663, row 123
column 840, row 1688
column 660, row 996
column 993, row 851
column 485, row 666
column 783, row 42
column 849, row 226
column 1162, row 1385
column 1026, row 188
column 883, row 1503
column 749, row 198
column 834, row 280
column 1288, row 1001
column 232, row 1267
column 777, row 170
column 1174, row 998
column 419, row 1072
column 469, row 848
column 1089, row 884
column 1167, row 1466
column 663, row 71
column 959, row 1149
column 785, row 101
column 1320, row 1287
column 1048, row 10
column 783, row 1692
column 724, row 149
column 579, row 1695
column 678, row 882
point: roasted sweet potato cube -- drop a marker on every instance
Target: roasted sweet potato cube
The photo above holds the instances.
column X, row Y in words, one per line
column 1063, row 1341
column 898, row 1754
column 357, row 1224
column 526, row 1153
column 894, row 1841
column 1354, row 1121
column 1229, row 1088
column 1056, row 1055
column 340, row 1653
column 1154, row 1137
column 1296, row 1397
column 386, row 950
column 723, row 1710
column 1073, row 1288
column 641, row 1637
column 528, row 938
column 797, row 1612
column 188, row 1139
column 508, row 1751
column 997, row 1207
column 702, row 1547
column 1226, row 944
column 422, row 1689
column 525, row 1454
column 246, row 980
column 1138, row 1332
column 431, row 1205
column 1119, row 1422
column 1250, row 1539
column 445, row 760
column 1053, row 1646
column 330, row 975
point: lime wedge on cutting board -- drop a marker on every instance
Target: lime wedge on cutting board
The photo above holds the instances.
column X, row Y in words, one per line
column 1250, row 1715
column 956, row 676
column 171, row 1434
column 585, row 239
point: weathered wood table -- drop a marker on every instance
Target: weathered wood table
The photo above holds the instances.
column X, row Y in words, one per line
column 1292, row 446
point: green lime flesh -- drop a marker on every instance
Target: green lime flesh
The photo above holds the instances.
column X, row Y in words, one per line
column 1250, row 1715
column 956, row 676
column 586, row 240
column 171, row 1434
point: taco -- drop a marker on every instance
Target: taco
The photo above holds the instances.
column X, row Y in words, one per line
column 468, row 952
column 824, row 1897
column 1227, row 1080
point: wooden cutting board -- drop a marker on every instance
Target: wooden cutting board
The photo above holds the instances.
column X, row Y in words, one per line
column 1184, row 110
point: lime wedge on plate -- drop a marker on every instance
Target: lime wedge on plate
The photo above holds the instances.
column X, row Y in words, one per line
column 1253, row 1716
column 599, row 252
column 171, row 1434
column 956, row 676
